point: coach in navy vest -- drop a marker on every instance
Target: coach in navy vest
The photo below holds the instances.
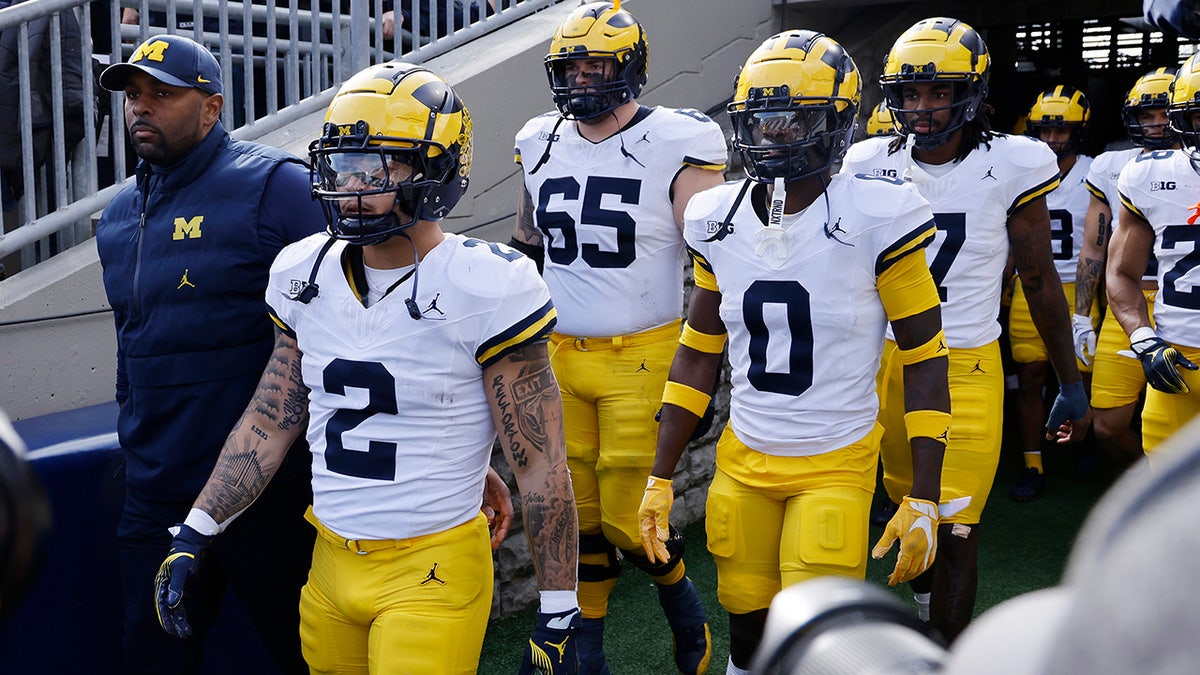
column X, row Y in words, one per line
column 186, row 251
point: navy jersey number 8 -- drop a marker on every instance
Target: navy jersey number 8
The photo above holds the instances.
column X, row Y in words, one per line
column 795, row 299
column 563, row 248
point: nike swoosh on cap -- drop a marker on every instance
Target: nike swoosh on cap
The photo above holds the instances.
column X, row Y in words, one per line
column 201, row 80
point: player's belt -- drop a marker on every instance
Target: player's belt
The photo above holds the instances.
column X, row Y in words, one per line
column 359, row 546
column 667, row 331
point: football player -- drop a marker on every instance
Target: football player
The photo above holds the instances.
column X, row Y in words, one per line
column 376, row 365
column 1117, row 381
column 605, row 184
column 881, row 122
column 803, row 272
column 1158, row 192
column 1058, row 118
column 988, row 192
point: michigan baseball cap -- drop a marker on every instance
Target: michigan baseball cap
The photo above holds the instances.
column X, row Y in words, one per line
column 172, row 59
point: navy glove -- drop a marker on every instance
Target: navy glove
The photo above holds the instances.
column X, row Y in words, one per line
column 552, row 647
column 1070, row 404
column 1161, row 363
column 173, row 575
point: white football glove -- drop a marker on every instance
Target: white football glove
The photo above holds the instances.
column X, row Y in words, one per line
column 1085, row 338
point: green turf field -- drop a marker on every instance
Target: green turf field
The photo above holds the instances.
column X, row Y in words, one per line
column 1023, row 547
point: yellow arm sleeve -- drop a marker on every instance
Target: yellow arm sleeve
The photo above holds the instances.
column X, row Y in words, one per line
column 906, row 287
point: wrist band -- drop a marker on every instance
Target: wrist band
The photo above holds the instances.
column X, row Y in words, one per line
column 690, row 399
column 702, row 342
column 935, row 347
column 933, row 424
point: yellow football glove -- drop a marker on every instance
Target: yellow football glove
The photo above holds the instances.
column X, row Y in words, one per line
column 653, row 517
column 915, row 525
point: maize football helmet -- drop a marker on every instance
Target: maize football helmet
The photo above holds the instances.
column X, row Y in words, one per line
column 937, row 50
column 1185, row 104
column 1152, row 90
column 794, row 106
column 393, row 128
column 881, row 122
column 597, row 31
column 1063, row 107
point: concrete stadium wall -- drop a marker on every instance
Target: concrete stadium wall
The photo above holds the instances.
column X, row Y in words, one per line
column 63, row 363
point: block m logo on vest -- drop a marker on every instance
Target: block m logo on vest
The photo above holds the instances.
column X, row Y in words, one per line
column 187, row 228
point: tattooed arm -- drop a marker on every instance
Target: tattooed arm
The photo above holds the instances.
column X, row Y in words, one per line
column 1089, row 271
column 1029, row 235
column 527, row 411
column 256, row 446
column 526, row 230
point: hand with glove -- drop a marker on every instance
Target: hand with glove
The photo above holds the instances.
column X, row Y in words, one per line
column 1070, row 415
column 915, row 526
column 1085, row 338
column 1160, row 361
column 653, row 518
column 173, row 576
column 552, row 647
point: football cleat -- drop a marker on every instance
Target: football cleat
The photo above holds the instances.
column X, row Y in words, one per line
column 1029, row 486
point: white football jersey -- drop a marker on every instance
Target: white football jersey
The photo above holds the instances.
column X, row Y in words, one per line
column 1163, row 188
column 1102, row 182
column 805, row 330
column 971, row 202
column 1068, row 205
column 399, row 422
column 614, row 254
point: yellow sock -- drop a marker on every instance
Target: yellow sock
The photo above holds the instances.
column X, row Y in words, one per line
column 1034, row 460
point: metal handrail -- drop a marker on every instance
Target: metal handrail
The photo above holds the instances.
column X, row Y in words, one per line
column 71, row 212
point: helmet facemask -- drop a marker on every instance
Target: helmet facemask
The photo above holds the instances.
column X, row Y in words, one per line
column 967, row 97
column 348, row 170
column 1143, row 134
column 595, row 99
column 1151, row 91
column 790, row 137
column 598, row 31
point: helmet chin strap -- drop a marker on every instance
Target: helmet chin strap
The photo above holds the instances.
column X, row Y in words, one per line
column 411, row 301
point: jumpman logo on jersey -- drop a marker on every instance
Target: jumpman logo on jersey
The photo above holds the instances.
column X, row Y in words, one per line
column 645, row 138
column 433, row 306
column 1196, row 213
column 977, row 369
column 989, row 174
column 433, row 576
column 642, row 367
column 831, row 232
column 184, row 281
